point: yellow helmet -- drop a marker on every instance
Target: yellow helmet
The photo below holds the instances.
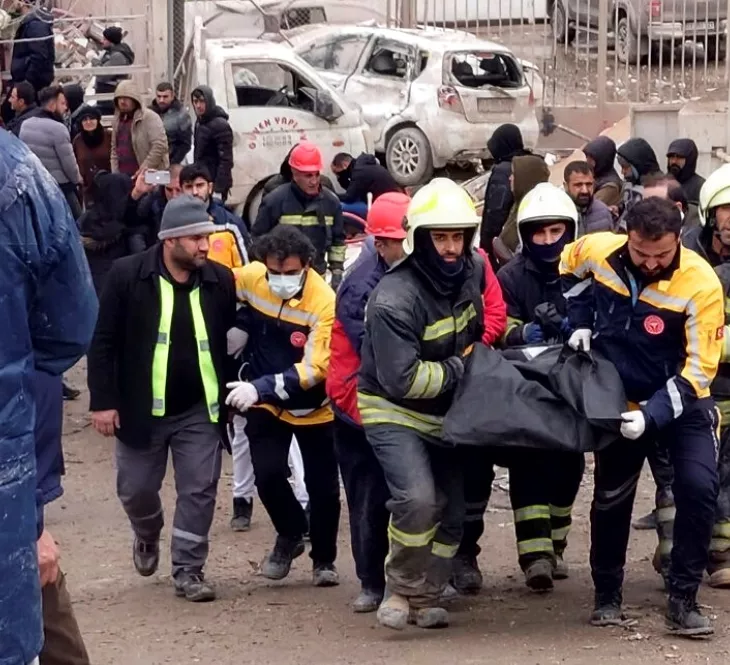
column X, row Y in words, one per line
column 441, row 204
column 546, row 203
column 715, row 192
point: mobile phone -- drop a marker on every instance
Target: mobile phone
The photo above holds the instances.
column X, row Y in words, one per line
column 157, row 177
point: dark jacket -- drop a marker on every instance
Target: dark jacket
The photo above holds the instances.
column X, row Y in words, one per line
column 721, row 385
column 284, row 176
column 214, row 142
column 640, row 155
column 48, row 390
column 687, row 176
column 179, row 129
column 48, row 310
column 349, row 330
column 33, row 61
column 368, row 175
column 33, row 111
column 524, row 287
column 699, row 239
column 411, row 358
column 122, row 351
column 504, row 144
column 92, row 157
column 597, row 217
column 117, row 55
column 602, row 150
column 319, row 218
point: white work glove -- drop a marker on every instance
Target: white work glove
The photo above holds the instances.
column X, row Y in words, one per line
column 633, row 425
column 581, row 339
column 236, row 341
column 243, row 395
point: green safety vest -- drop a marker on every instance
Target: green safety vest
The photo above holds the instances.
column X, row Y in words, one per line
column 162, row 352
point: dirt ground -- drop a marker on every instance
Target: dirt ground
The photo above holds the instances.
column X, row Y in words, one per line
column 128, row 620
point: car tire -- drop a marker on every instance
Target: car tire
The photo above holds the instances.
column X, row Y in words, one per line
column 408, row 157
column 557, row 24
column 253, row 204
column 627, row 48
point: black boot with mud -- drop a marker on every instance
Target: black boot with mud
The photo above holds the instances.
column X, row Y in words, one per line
column 685, row 619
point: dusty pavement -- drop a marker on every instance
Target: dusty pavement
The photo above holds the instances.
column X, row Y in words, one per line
column 128, row 620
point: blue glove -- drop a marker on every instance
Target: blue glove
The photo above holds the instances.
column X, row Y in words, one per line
column 532, row 333
column 565, row 327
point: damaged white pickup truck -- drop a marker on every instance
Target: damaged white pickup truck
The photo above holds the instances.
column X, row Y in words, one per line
column 429, row 96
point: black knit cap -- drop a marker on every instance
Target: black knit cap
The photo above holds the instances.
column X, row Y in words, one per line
column 114, row 34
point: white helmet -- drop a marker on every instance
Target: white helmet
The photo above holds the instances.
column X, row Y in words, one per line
column 441, row 204
column 546, row 203
column 715, row 192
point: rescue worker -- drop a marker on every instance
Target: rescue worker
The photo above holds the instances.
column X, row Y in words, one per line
column 359, row 177
column 422, row 319
column 288, row 311
column 711, row 239
column 682, row 157
column 593, row 215
column 637, row 161
column 362, row 475
column 656, row 311
column 304, row 204
column 601, row 154
column 542, row 502
column 157, row 371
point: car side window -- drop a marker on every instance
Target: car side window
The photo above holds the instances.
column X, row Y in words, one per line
column 338, row 55
column 389, row 59
column 271, row 84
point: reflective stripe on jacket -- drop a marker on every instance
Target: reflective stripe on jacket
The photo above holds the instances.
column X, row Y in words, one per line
column 288, row 352
column 664, row 337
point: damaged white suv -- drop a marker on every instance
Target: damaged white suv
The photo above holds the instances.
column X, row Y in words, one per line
column 430, row 96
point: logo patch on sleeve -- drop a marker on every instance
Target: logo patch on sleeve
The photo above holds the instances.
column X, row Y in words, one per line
column 653, row 325
column 298, row 339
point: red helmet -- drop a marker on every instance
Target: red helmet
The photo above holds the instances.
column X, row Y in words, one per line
column 306, row 157
column 385, row 219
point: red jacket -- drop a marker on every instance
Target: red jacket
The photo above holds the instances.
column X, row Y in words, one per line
column 495, row 310
column 349, row 329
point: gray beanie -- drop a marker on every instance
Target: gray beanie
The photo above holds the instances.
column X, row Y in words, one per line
column 185, row 216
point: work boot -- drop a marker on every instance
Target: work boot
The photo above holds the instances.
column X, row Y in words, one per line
column 684, row 618
column 448, row 594
column 368, row 600
column 560, row 568
column 607, row 609
column 191, row 585
column 645, row 523
column 277, row 563
column 242, row 509
column 539, row 575
column 325, row 574
column 394, row 612
column 429, row 617
column 719, row 570
column 146, row 556
column 466, row 576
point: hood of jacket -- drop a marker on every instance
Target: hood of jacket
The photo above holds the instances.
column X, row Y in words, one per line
column 602, row 151
column 528, row 171
column 640, row 155
column 175, row 106
column 39, row 14
column 686, row 148
column 128, row 88
column 212, row 110
column 124, row 49
column 364, row 160
column 505, row 142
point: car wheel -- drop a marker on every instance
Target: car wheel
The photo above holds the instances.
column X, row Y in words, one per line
column 563, row 33
column 253, row 205
column 408, row 157
column 627, row 48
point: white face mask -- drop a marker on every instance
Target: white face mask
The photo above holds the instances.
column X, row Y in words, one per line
column 286, row 286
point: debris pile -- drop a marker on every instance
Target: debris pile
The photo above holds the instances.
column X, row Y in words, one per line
column 78, row 44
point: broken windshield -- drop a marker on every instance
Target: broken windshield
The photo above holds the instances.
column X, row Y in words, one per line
column 477, row 69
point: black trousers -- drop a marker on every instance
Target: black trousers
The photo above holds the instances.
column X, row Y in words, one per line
column 70, row 191
column 693, row 447
column 270, row 439
column 367, row 494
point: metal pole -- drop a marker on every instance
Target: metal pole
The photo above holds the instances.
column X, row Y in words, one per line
column 407, row 13
column 602, row 62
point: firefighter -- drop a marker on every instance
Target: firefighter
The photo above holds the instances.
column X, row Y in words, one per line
column 711, row 239
column 656, row 311
column 288, row 311
column 422, row 319
column 362, row 475
column 304, row 204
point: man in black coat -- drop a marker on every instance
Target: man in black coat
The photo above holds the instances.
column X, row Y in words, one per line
column 33, row 60
column 23, row 102
column 504, row 144
column 361, row 176
column 213, row 141
column 177, row 121
column 157, row 368
column 682, row 164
